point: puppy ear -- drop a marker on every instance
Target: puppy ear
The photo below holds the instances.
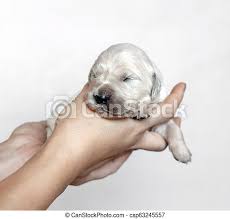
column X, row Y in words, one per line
column 156, row 86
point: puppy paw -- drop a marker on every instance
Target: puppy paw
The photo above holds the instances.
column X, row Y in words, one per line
column 180, row 152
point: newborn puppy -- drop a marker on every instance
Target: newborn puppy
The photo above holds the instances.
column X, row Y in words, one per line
column 124, row 82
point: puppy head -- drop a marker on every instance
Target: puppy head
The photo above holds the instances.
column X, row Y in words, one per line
column 121, row 78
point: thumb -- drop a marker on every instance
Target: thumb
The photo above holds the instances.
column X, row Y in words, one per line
column 82, row 95
column 167, row 108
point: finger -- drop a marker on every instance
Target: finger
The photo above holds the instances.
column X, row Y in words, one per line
column 167, row 108
column 14, row 160
column 81, row 96
column 151, row 141
column 37, row 130
column 27, row 152
column 107, row 169
column 43, row 124
column 176, row 95
column 76, row 106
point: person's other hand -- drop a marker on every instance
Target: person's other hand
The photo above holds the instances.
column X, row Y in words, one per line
column 23, row 143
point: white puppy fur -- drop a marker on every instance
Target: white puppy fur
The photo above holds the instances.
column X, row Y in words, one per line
column 122, row 78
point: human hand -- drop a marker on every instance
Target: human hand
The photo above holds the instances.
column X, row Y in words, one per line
column 110, row 166
column 25, row 141
column 93, row 140
column 73, row 149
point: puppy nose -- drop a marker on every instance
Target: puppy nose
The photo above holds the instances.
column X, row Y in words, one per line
column 101, row 99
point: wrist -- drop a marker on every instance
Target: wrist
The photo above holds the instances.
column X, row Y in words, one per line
column 70, row 160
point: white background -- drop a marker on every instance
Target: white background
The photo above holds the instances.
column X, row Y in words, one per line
column 47, row 48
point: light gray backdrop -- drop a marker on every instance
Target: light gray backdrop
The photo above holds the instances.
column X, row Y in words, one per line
column 47, row 48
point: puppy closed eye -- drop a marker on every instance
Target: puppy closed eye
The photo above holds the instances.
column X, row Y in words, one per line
column 129, row 78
